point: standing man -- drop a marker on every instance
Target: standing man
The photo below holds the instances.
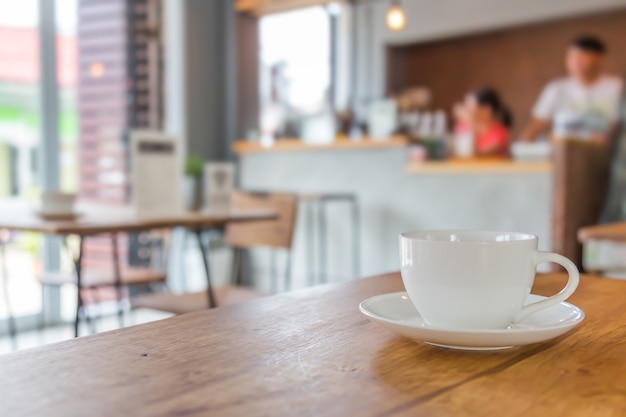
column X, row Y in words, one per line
column 585, row 105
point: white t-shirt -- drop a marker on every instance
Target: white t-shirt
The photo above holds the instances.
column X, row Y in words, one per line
column 578, row 110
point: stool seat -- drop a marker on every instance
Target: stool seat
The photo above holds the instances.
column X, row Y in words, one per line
column 326, row 196
column 190, row 302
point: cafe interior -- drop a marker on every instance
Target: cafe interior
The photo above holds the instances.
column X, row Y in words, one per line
column 312, row 207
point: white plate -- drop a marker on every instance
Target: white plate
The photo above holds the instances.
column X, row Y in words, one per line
column 396, row 312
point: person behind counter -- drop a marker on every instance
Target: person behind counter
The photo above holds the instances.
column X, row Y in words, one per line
column 484, row 122
column 584, row 105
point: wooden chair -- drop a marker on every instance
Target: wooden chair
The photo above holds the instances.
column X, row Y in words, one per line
column 581, row 171
column 276, row 234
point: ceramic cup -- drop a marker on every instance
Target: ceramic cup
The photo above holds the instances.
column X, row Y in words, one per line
column 57, row 203
column 475, row 279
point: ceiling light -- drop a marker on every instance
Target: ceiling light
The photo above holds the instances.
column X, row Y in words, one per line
column 396, row 19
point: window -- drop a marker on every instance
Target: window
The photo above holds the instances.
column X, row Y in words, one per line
column 295, row 60
column 19, row 141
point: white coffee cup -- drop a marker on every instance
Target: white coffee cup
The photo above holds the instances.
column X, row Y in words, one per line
column 57, row 203
column 475, row 279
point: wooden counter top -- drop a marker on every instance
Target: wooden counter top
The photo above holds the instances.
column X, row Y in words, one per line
column 284, row 145
column 478, row 166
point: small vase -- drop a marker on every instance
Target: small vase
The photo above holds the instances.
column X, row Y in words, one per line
column 193, row 193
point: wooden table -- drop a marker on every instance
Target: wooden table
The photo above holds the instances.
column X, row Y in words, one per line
column 98, row 219
column 615, row 232
column 313, row 353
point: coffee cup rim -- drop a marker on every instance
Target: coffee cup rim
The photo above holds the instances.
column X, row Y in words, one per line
column 468, row 236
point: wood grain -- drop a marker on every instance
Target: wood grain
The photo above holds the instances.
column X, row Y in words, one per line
column 478, row 166
column 261, row 7
column 312, row 353
column 615, row 232
column 291, row 145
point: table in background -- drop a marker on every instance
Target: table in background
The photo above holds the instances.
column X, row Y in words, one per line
column 97, row 219
column 613, row 232
column 312, row 353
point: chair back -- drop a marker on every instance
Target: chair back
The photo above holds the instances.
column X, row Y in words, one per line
column 275, row 233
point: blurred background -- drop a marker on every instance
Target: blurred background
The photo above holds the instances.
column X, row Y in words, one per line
column 267, row 84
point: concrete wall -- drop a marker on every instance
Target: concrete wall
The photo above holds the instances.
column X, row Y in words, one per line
column 430, row 19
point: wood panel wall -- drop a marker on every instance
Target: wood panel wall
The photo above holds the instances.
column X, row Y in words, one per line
column 517, row 61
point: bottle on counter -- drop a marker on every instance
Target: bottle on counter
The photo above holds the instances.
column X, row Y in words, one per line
column 432, row 133
column 463, row 142
column 356, row 132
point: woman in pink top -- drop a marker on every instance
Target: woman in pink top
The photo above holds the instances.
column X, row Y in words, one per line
column 488, row 120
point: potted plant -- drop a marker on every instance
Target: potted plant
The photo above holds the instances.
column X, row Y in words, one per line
column 194, row 170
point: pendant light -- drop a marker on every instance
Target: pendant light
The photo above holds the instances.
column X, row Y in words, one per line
column 396, row 19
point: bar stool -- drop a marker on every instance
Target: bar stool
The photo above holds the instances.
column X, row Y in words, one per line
column 316, row 204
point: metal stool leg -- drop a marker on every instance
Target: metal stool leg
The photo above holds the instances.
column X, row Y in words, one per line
column 7, row 298
column 273, row 272
column 310, row 245
column 356, row 238
column 78, row 264
column 236, row 275
column 96, row 301
column 321, row 214
column 207, row 269
column 118, row 279
column 288, row 272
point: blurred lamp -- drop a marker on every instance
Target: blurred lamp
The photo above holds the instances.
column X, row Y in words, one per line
column 396, row 19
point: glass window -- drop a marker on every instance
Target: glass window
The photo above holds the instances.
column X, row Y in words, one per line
column 67, row 69
column 19, row 140
column 295, row 60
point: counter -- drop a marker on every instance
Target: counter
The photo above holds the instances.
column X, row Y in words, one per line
column 396, row 196
column 478, row 166
column 296, row 145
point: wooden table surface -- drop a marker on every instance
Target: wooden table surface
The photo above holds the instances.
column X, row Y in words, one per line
column 311, row 353
column 94, row 219
column 615, row 232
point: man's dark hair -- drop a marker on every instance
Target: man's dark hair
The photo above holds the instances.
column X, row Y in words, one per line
column 589, row 44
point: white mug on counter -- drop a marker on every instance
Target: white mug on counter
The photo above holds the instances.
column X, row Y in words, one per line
column 56, row 203
column 462, row 279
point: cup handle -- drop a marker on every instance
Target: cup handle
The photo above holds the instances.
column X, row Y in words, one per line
column 570, row 287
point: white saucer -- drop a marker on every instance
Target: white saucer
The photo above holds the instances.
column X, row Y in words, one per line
column 396, row 312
